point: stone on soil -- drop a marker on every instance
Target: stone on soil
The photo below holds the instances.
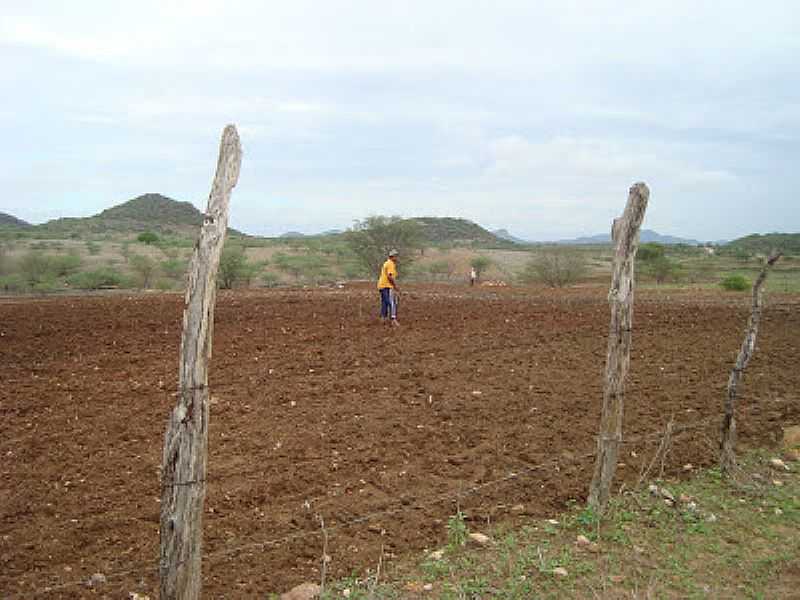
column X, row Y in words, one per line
column 304, row 591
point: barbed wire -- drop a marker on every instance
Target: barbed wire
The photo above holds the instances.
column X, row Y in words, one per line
column 403, row 506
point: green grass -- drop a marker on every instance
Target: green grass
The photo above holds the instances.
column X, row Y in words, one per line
column 720, row 540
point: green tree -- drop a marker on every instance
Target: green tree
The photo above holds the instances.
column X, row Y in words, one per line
column 145, row 267
column 662, row 269
column 650, row 251
column 148, row 237
column 234, row 268
column 65, row 264
column 372, row 239
column 36, row 269
column 173, row 268
column 480, row 264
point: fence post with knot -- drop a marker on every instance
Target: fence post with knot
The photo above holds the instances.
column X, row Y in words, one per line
column 727, row 459
column 625, row 235
column 183, row 474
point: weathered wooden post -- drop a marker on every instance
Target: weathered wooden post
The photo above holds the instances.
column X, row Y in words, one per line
column 183, row 473
column 727, row 458
column 625, row 233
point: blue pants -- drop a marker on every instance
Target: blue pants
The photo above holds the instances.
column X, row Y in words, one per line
column 388, row 303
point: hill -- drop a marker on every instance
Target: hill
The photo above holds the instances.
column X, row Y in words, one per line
column 451, row 230
column 149, row 212
column 646, row 236
column 10, row 221
column 788, row 243
column 504, row 234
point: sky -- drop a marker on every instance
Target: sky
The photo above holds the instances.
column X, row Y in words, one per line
column 535, row 117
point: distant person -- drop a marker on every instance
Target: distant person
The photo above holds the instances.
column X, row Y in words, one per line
column 473, row 275
column 387, row 286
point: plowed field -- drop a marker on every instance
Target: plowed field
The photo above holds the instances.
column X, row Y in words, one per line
column 483, row 400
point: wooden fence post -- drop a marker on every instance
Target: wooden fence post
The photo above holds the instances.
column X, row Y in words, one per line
column 727, row 458
column 625, row 233
column 186, row 441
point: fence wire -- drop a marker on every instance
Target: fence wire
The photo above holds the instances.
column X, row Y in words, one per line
column 398, row 508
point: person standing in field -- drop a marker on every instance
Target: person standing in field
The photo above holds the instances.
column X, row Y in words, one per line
column 473, row 275
column 387, row 286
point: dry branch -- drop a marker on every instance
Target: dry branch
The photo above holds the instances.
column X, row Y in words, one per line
column 186, row 440
column 625, row 233
column 727, row 459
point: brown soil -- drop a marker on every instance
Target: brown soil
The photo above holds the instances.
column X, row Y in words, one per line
column 318, row 409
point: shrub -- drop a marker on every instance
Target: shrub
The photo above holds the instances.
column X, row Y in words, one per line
column 661, row 269
column 65, row 264
column 441, row 269
column 173, row 268
column 735, row 283
column 270, row 279
column 93, row 248
column 145, row 267
column 555, row 268
column 35, row 268
column 12, row 283
column 96, row 279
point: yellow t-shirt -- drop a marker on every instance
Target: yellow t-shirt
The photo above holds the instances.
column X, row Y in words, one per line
column 388, row 268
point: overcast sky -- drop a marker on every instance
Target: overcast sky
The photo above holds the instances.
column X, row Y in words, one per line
column 532, row 116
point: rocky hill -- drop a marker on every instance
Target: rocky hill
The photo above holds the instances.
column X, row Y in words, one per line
column 149, row 212
column 788, row 243
column 12, row 222
column 451, row 230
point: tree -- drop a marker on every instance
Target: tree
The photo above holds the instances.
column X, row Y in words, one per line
column 36, row 268
column 145, row 267
column 373, row 238
column 65, row 264
column 232, row 265
column 662, row 269
column 555, row 267
column 654, row 262
column 234, row 268
column 148, row 237
column 173, row 268
column 480, row 264
column 650, row 251
column 441, row 269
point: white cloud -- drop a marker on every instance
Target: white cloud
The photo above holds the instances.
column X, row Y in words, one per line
column 509, row 112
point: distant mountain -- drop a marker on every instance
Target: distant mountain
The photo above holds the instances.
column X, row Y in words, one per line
column 292, row 234
column 437, row 230
column 12, row 222
column 505, row 235
column 767, row 243
column 645, row 236
column 149, row 212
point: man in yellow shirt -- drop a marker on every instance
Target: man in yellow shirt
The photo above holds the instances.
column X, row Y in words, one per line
column 387, row 286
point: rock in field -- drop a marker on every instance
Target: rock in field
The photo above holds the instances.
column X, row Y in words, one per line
column 304, row 591
column 479, row 538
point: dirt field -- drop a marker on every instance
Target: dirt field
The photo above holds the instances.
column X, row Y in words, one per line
column 319, row 410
